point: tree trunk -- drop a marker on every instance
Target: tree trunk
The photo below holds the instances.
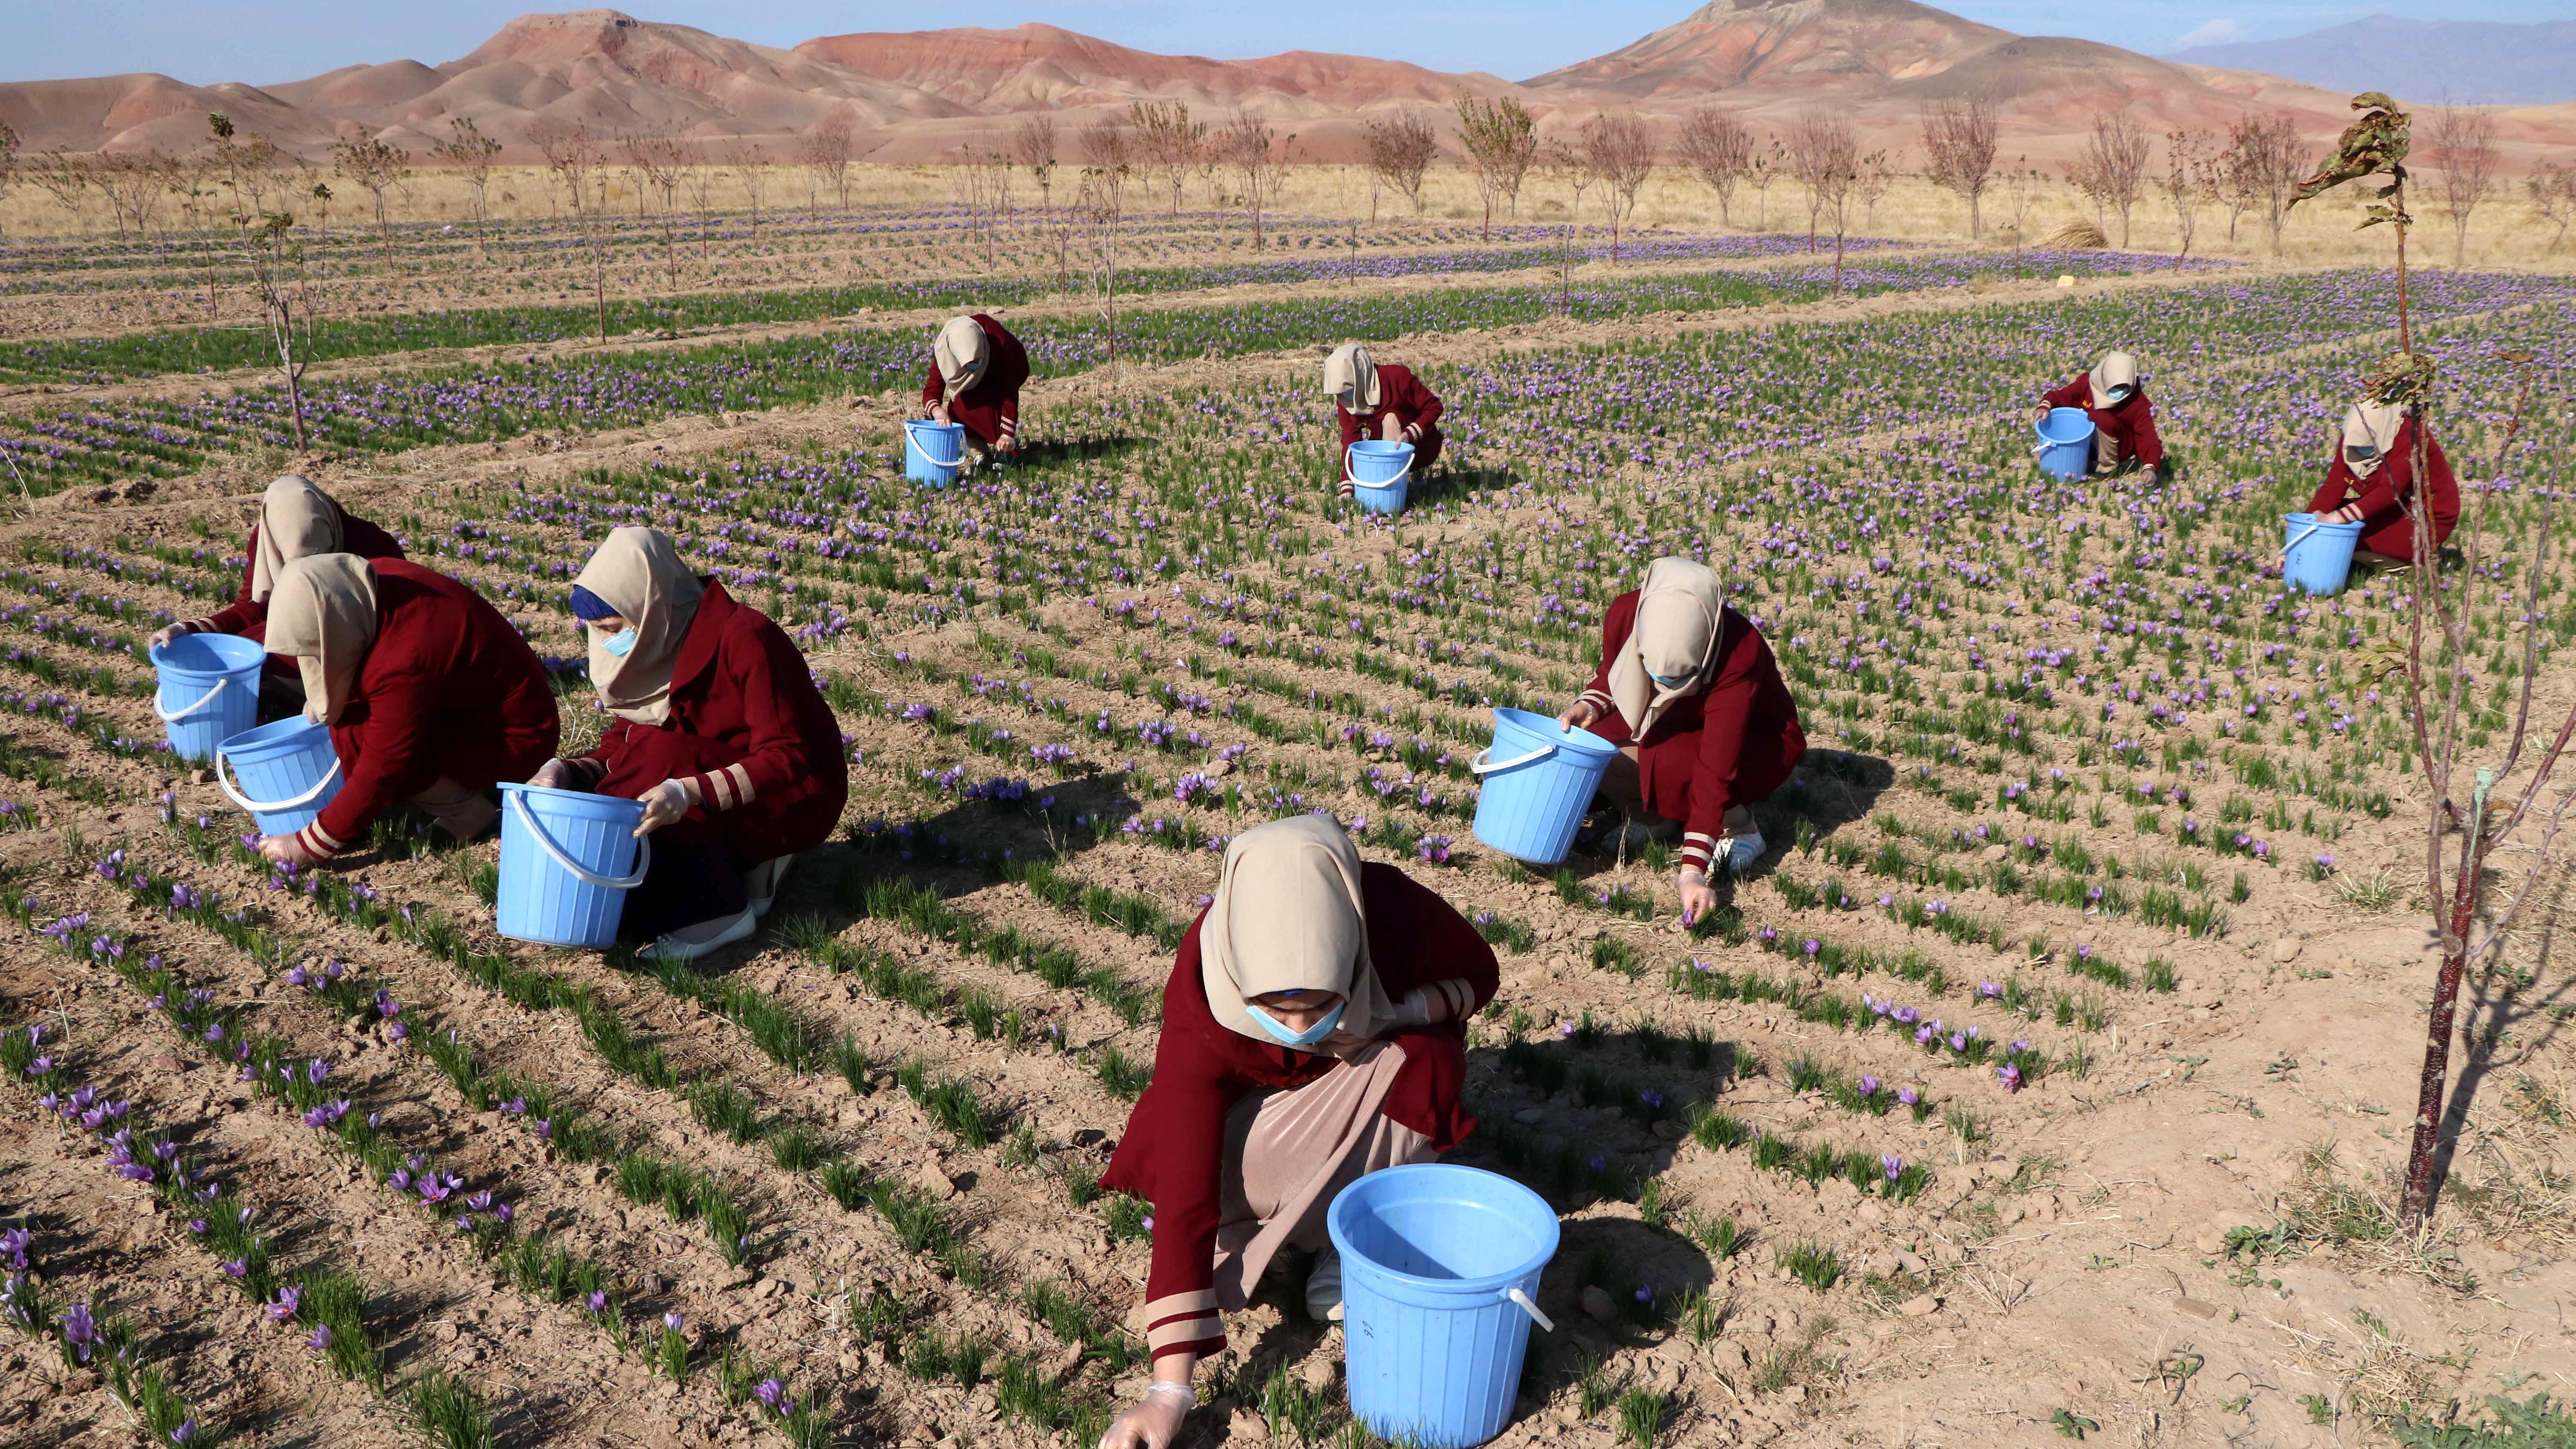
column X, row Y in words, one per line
column 2437, row 1042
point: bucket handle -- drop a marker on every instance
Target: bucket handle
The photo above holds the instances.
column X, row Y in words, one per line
column 207, row 699
column 1526, row 1306
column 643, row 851
column 1480, row 766
column 914, row 443
column 223, row 777
column 2302, row 538
column 1351, row 475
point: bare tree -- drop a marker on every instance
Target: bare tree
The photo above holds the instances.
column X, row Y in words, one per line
column 2018, row 183
column 1568, row 167
column 569, row 152
column 375, row 165
column 749, row 166
column 290, row 300
column 133, row 183
column 1034, row 142
column 1401, row 149
column 1877, row 178
column 471, row 152
column 698, row 179
column 1619, row 151
column 2464, row 151
column 985, row 192
column 1501, row 142
column 2264, row 163
column 8, row 159
column 1095, row 215
column 2552, row 190
column 829, row 149
column 1108, row 154
column 1168, row 138
column 1257, row 156
column 1959, row 137
column 62, row 176
column 2112, row 167
column 1719, row 150
column 1762, row 173
column 1824, row 152
column 2189, row 179
column 658, row 160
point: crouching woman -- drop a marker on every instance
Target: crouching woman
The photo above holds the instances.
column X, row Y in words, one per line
column 431, row 696
column 1311, row 1034
column 719, row 730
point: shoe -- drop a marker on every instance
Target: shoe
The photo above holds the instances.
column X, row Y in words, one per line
column 1742, row 851
column 1633, row 837
column 1599, row 820
column 691, row 942
column 763, row 880
column 1324, row 1287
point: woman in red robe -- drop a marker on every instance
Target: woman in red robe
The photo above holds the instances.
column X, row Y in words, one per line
column 718, row 729
column 296, row 520
column 1311, row 1034
column 2372, row 482
column 431, row 696
column 977, row 369
column 2124, row 421
column 1381, row 400
column 1689, row 691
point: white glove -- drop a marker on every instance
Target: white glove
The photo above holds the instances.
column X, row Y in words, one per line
column 665, row 803
column 553, row 775
column 165, row 634
column 1698, row 896
column 1415, row 1008
column 1154, row 1421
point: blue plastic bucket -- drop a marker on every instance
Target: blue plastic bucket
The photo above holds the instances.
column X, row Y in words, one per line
column 1537, row 779
column 1440, row 1269
column 2065, row 442
column 567, row 861
column 2317, row 559
column 1381, row 475
column 209, row 690
column 933, row 452
column 288, row 771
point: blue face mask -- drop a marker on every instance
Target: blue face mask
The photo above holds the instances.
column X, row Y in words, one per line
column 1673, row 682
column 1280, row 1033
column 620, row 644
column 2120, row 394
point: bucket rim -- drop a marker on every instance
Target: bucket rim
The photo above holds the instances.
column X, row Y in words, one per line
column 2309, row 520
column 1484, row 1285
column 274, row 733
column 1380, row 447
column 2068, row 417
column 618, row 804
column 932, row 425
column 1583, row 741
column 159, row 654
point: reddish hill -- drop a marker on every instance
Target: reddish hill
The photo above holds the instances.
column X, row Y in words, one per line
column 1812, row 45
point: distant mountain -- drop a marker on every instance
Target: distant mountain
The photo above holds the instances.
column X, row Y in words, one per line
column 2418, row 60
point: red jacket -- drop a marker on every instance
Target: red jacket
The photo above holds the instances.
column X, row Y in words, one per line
column 1173, row 1152
column 1399, row 392
column 2386, row 525
column 991, row 408
column 2131, row 425
column 449, row 690
column 1730, row 744
column 748, row 727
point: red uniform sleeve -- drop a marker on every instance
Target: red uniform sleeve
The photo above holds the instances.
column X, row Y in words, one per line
column 2076, row 394
column 1421, row 405
column 1727, row 708
column 394, row 762
column 933, row 387
column 1172, row 1156
column 241, row 613
column 1615, row 625
column 760, row 664
column 1417, row 939
column 2144, row 441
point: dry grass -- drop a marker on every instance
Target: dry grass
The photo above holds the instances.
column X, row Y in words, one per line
column 2505, row 233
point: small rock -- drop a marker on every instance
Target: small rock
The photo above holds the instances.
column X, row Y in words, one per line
column 1908, row 1262
column 1921, row 1305
column 2196, row 1308
column 1597, row 1303
column 2212, row 1239
column 171, row 1062
column 1728, row 1356
column 1530, row 1116
column 2286, row 950
column 1090, row 1137
column 1317, row 1374
column 1247, row 1427
column 935, row 1181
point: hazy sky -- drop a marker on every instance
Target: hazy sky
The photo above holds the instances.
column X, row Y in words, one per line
column 290, row 39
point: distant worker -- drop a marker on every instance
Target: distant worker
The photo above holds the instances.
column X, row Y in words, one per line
column 296, row 520
column 1689, row 691
column 431, row 696
column 1382, row 401
column 1311, row 1034
column 718, row 729
column 977, row 369
column 2124, row 421
column 2372, row 482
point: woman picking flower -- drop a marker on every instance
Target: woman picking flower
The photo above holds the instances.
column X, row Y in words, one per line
column 431, row 696
column 718, row 730
column 976, row 371
column 2124, row 421
column 1383, row 401
column 1689, row 691
column 2372, row 482
column 1310, row 1035
column 296, row 520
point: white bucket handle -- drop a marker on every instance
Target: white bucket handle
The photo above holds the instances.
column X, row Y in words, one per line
column 2292, row 545
column 915, row 444
column 1350, row 475
column 209, row 698
column 1526, row 1306
column 643, row 851
column 1480, row 766
column 224, row 778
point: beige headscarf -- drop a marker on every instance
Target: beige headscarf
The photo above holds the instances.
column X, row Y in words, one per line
column 2376, row 425
column 638, row 573
column 324, row 614
column 1289, row 916
column 296, row 520
column 962, row 352
column 1678, row 612
column 1351, row 374
column 2118, row 369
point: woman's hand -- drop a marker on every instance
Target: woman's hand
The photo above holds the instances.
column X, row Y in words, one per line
column 1698, row 897
column 164, row 635
column 281, row 850
column 1578, row 716
column 1154, row 1421
column 1388, row 429
column 2349, row 513
column 663, row 804
column 939, row 412
column 552, row 775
